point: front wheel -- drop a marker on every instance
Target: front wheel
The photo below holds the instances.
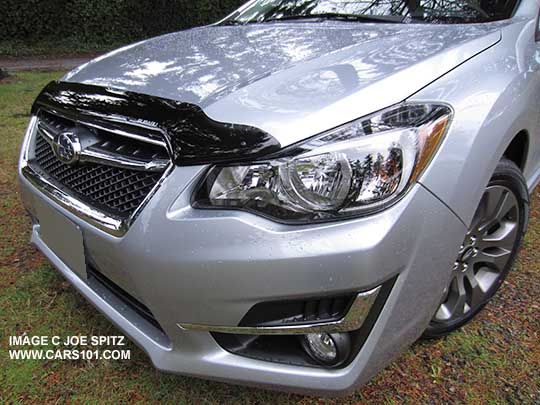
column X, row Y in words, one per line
column 488, row 251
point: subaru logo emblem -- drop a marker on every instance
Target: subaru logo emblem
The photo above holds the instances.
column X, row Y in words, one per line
column 67, row 147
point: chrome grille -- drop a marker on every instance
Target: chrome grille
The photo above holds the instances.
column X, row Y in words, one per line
column 101, row 183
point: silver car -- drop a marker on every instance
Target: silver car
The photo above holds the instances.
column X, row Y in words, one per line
column 293, row 196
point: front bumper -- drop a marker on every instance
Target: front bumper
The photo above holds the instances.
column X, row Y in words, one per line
column 210, row 267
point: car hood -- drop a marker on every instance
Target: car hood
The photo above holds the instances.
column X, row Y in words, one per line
column 294, row 79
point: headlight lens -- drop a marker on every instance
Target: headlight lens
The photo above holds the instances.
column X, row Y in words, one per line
column 354, row 169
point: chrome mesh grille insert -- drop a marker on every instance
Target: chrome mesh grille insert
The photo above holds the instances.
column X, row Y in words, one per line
column 112, row 190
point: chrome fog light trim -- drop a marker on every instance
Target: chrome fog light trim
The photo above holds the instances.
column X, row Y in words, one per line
column 354, row 320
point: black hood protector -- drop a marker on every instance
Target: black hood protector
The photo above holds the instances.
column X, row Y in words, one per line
column 193, row 136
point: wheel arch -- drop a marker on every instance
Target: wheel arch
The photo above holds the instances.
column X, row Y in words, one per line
column 517, row 150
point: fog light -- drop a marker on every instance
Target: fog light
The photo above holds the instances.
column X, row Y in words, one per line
column 327, row 349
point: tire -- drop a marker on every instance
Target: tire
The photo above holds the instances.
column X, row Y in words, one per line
column 488, row 252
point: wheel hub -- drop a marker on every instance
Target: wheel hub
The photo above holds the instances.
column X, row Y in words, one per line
column 469, row 253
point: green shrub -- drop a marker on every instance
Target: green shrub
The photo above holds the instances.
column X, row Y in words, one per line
column 105, row 21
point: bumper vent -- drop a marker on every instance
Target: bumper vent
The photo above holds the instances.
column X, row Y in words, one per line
column 275, row 314
column 137, row 306
column 117, row 174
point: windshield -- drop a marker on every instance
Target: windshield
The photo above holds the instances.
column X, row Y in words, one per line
column 430, row 11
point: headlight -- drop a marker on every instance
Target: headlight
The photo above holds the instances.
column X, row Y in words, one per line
column 352, row 170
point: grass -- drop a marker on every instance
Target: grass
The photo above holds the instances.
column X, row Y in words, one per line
column 493, row 360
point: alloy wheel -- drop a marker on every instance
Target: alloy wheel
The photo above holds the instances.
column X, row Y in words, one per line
column 483, row 256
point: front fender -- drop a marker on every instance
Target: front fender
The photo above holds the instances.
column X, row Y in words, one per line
column 495, row 97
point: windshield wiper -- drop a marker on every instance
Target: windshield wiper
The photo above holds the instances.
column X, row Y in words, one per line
column 236, row 22
column 339, row 17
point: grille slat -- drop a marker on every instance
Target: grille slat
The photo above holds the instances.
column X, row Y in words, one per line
column 113, row 190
